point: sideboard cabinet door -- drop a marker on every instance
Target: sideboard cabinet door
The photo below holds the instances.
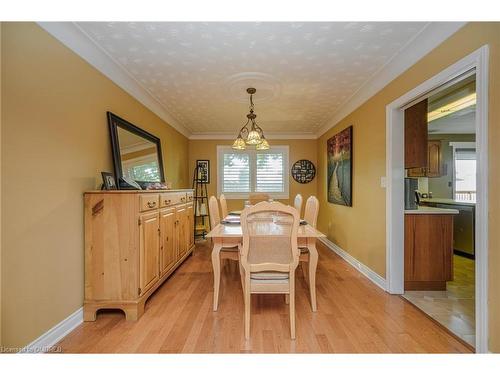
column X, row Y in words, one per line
column 190, row 225
column 168, row 255
column 149, row 251
column 180, row 216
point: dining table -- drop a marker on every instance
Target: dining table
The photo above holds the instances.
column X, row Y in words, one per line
column 228, row 233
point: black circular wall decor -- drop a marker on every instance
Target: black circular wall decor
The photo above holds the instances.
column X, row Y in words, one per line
column 303, row 171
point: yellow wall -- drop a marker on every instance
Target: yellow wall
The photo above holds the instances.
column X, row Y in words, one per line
column 298, row 149
column 360, row 230
column 55, row 143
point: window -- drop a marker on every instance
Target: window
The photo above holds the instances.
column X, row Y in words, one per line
column 144, row 168
column 250, row 171
column 464, row 166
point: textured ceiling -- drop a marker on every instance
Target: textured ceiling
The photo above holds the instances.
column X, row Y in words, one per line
column 303, row 72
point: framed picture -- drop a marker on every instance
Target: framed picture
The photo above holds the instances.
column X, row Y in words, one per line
column 339, row 178
column 203, row 168
column 108, row 181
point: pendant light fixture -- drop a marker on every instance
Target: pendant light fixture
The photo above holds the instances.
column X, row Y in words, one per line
column 254, row 135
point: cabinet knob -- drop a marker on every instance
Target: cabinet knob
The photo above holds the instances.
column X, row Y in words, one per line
column 151, row 204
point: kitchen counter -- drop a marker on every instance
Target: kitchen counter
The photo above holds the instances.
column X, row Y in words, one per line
column 447, row 201
column 424, row 210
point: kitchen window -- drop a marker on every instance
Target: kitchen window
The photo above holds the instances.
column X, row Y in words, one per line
column 464, row 166
column 243, row 172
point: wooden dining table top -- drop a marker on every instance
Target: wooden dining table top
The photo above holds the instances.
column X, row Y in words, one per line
column 265, row 228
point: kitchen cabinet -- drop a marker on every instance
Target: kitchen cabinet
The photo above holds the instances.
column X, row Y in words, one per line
column 428, row 260
column 464, row 224
column 134, row 240
column 434, row 159
column 434, row 162
column 416, row 135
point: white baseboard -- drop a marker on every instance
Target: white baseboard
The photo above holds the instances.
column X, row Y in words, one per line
column 46, row 341
column 365, row 270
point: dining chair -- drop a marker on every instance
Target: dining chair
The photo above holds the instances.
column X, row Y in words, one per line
column 255, row 198
column 311, row 211
column 225, row 249
column 269, row 254
column 297, row 203
column 311, row 217
column 223, row 206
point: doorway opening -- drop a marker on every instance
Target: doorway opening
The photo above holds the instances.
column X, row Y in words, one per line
column 462, row 185
column 447, row 184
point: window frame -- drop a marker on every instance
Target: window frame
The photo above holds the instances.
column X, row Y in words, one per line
column 221, row 150
column 455, row 146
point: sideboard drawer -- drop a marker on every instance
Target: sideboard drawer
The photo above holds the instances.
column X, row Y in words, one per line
column 149, row 202
column 169, row 199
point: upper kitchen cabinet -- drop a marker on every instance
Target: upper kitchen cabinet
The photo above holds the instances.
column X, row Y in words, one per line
column 434, row 162
column 416, row 152
column 434, row 159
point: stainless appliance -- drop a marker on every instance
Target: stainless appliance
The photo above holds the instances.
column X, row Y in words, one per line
column 411, row 186
column 463, row 228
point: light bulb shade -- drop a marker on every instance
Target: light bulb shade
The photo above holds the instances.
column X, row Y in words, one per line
column 253, row 138
column 264, row 145
column 239, row 144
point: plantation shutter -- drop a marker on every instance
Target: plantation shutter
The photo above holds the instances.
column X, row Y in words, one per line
column 269, row 173
column 236, row 172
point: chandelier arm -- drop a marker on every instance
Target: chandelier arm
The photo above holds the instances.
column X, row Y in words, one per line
column 244, row 129
column 258, row 128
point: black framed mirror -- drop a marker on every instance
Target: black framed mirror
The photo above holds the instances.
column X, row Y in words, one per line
column 136, row 153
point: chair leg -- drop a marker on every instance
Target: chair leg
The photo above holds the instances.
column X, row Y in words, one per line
column 247, row 308
column 242, row 279
column 292, row 306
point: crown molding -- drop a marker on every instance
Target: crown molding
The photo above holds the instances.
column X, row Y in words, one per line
column 429, row 38
column 232, row 136
column 77, row 40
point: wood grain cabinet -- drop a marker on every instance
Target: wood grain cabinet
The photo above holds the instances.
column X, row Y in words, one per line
column 434, row 162
column 149, row 251
column 428, row 251
column 133, row 241
column 416, row 135
column 169, row 252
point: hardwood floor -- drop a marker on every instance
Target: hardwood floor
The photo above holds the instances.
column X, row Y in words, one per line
column 354, row 316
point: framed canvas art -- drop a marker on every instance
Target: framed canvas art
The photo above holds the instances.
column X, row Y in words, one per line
column 203, row 167
column 339, row 154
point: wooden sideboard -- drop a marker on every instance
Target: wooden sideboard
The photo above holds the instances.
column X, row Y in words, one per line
column 133, row 241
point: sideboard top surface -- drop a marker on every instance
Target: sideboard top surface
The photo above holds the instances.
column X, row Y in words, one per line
column 136, row 191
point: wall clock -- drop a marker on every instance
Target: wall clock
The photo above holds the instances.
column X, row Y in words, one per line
column 303, row 171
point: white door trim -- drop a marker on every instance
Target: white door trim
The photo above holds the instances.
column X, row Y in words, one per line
column 395, row 183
